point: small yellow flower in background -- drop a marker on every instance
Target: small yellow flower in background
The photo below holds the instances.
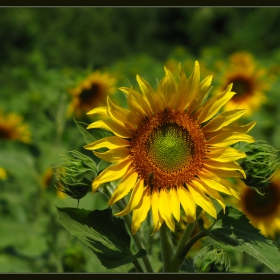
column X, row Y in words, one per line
column 3, row 174
column 262, row 210
column 170, row 148
column 12, row 128
column 247, row 81
column 91, row 92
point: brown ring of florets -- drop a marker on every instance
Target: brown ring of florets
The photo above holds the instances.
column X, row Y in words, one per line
column 144, row 165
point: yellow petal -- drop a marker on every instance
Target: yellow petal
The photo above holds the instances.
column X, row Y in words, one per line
column 187, row 203
column 175, row 204
column 234, row 127
column 232, row 165
column 110, row 125
column 135, row 107
column 121, row 115
column 114, row 155
column 168, row 88
column 224, row 154
column 111, row 142
column 135, row 198
column 165, row 208
column 232, row 188
column 211, row 192
column 202, row 91
column 140, row 100
column 140, row 212
column 148, row 93
column 190, row 88
column 223, row 119
column 157, row 219
column 202, row 200
column 127, row 183
column 111, row 173
column 221, row 173
column 229, row 138
column 213, row 105
column 99, row 110
column 215, row 183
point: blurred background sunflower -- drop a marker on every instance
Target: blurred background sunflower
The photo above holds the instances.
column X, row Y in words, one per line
column 13, row 128
column 91, row 93
column 60, row 63
column 249, row 82
column 263, row 210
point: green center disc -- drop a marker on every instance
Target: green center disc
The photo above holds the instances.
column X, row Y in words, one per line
column 170, row 147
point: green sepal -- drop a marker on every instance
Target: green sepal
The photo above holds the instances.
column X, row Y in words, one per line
column 233, row 229
column 103, row 233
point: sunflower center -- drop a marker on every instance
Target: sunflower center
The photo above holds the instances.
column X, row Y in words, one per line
column 87, row 95
column 262, row 205
column 170, row 147
column 5, row 133
column 242, row 86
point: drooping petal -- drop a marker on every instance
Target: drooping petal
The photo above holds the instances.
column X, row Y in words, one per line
column 187, row 203
column 140, row 212
column 111, row 173
column 112, row 126
column 127, row 183
column 213, row 105
column 165, row 208
column 114, row 155
column 135, row 198
column 111, row 142
column 202, row 200
column 223, row 119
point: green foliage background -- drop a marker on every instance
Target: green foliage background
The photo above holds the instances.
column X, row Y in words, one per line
column 46, row 51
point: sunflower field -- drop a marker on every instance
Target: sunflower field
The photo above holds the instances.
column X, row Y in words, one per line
column 139, row 140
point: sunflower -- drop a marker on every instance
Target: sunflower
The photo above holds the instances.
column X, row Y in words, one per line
column 12, row 128
column 262, row 210
column 247, row 83
column 91, row 92
column 170, row 149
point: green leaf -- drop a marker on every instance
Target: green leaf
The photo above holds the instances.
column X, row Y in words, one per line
column 102, row 232
column 93, row 134
column 233, row 228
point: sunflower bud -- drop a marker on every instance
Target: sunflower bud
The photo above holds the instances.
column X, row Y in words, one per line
column 75, row 175
column 211, row 260
column 259, row 165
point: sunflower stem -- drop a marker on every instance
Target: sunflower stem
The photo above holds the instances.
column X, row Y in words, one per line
column 166, row 249
column 181, row 249
column 137, row 266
